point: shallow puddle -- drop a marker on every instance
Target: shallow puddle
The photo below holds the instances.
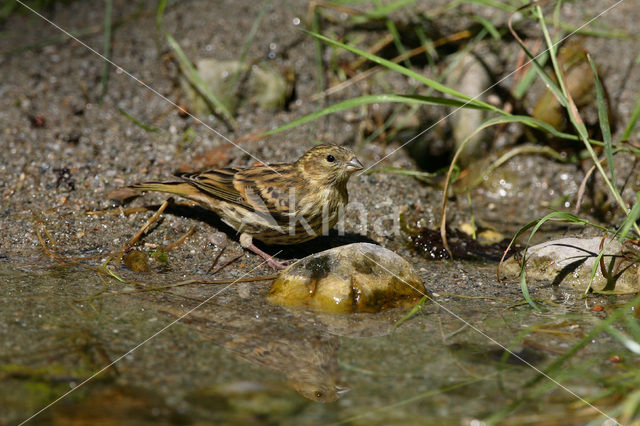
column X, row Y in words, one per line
column 237, row 359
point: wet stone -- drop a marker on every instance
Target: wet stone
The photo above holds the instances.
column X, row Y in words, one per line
column 235, row 84
column 359, row 277
column 137, row 261
column 568, row 262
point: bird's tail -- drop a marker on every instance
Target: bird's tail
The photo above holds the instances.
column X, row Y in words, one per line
column 179, row 188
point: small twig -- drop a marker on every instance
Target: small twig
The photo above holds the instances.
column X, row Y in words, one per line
column 181, row 240
column 377, row 46
column 118, row 255
column 234, row 260
column 603, row 269
column 40, row 227
column 215, row 261
column 581, row 189
column 153, row 219
column 317, row 4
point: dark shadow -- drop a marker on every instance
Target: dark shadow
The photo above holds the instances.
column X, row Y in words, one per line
column 573, row 266
column 297, row 251
column 323, row 242
column 201, row 214
column 568, row 270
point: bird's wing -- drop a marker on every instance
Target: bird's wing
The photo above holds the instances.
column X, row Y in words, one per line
column 220, row 184
column 268, row 188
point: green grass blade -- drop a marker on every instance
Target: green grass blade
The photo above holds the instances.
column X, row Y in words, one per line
column 189, row 70
column 530, row 122
column 575, row 30
column 397, row 41
column 603, row 118
column 370, row 99
column 525, row 289
column 247, row 43
column 631, row 219
column 391, row 26
column 383, row 11
column 315, row 26
column 194, row 78
column 138, row 122
column 380, row 12
column 576, row 120
column 633, row 326
column 430, row 52
column 488, row 3
column 596, row 265
column 409, row 73
column 413, row 311
column 523, row 280
column 104, row 269
column 162, row 4
column 488, row 25
column 635, row 114
column 621, row 233
column 556, row 369
column 587, row 339
column 621, row 337
column 548, row 81
column 525, row 83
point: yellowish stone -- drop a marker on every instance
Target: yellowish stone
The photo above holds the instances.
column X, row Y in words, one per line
column 357, row 277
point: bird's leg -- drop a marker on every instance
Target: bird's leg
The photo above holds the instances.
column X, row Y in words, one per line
column 246, row 241
column 275, row 264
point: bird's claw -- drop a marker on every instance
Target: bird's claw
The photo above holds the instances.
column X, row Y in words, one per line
column 276, row 264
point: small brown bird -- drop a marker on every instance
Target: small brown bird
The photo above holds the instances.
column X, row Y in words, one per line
column 284, row 203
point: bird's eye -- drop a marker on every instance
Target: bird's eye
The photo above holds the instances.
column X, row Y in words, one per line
column 331, row 158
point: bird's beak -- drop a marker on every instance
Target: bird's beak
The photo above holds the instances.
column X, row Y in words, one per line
column 354, row 165
column 342, row 388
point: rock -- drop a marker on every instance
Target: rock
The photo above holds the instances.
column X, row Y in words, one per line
column 580, row 83
column 137, row 261
column 359, row 277
column 569, row 262
column 471, row 78
column 235, row 83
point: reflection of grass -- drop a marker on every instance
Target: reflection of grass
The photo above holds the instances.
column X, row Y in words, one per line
column 622, row 326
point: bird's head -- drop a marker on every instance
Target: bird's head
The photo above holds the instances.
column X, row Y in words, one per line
column 329, row 165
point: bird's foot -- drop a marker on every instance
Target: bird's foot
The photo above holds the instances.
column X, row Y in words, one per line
column 277, row 264
column 271, row 261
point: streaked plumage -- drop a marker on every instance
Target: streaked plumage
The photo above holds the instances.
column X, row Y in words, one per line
column 282, row 203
